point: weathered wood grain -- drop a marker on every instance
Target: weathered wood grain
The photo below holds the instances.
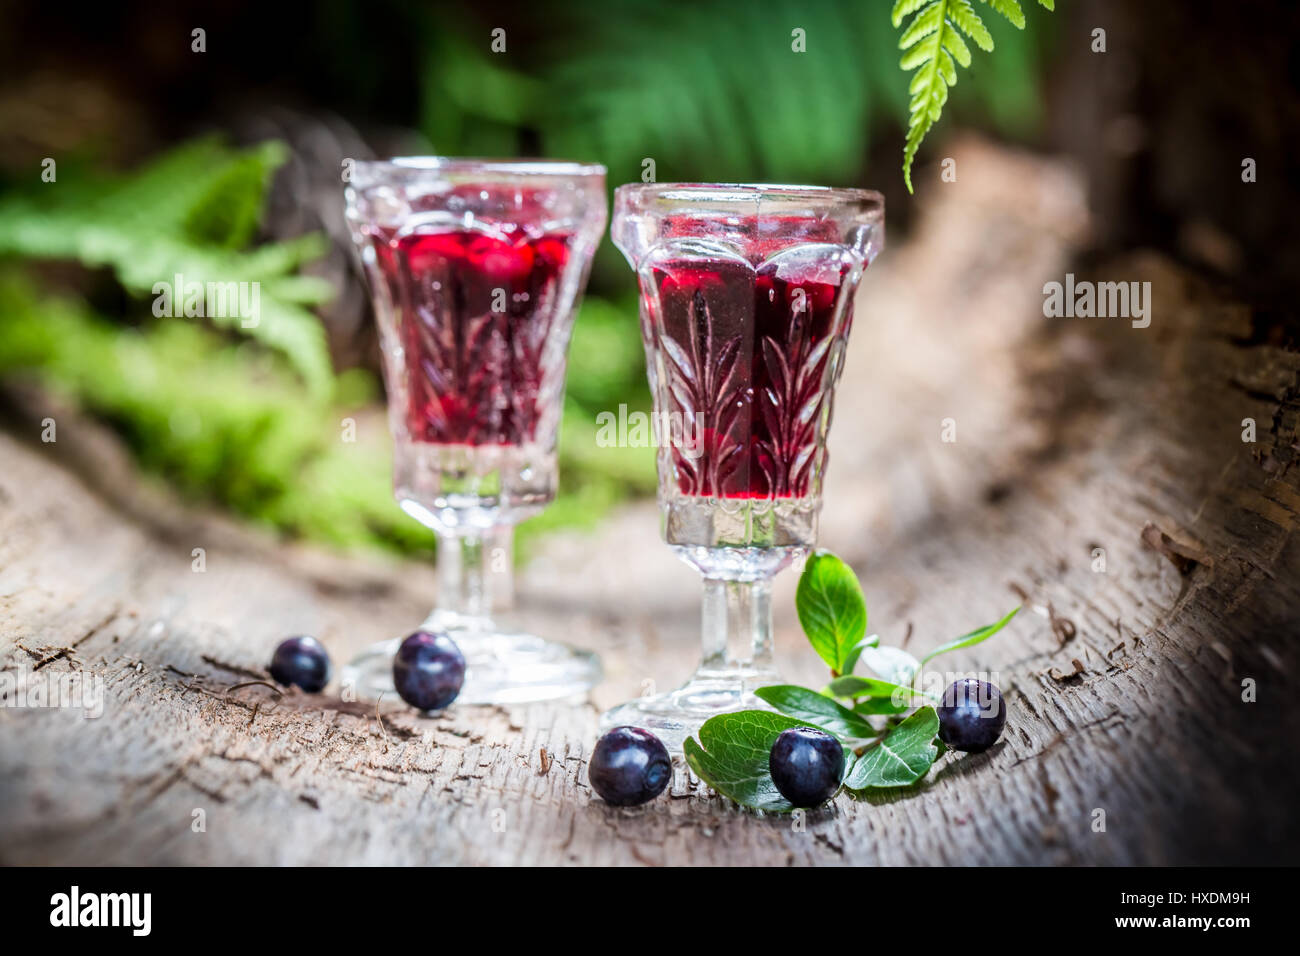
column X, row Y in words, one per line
column 1073, row 435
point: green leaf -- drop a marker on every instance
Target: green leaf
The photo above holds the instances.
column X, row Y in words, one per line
column 974, row 637
column 905, row 7
column 929, row 20
column 947, row 68
column 875, row 706
column 831, row 608
column 1009, row 9
column 229, row 209
column 600, row 103
column 902, row 757
column 962, row 15
column 1050, row 4
column 853, row 686
column 954, row 44
column 851, row 659
column 804, row 704
column 929, row 87
column 934, row 48
column 891, row 664
column 189, row 212
column 733, row 754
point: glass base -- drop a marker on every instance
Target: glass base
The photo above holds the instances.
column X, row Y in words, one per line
column 501, row 668
column 678, row 714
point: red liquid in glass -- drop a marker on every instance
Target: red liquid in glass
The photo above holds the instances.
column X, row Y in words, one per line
column 475, row 313
column 747, row 354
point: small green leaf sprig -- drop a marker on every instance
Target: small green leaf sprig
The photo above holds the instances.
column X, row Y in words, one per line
column 885, row 746
column 933, row 47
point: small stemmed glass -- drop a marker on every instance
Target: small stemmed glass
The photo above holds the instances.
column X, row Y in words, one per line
column 746, row 304
column 475, row 269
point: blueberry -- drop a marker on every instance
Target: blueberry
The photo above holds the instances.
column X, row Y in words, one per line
column 302, row 661
column 807, row 765
column 972, row 715
column 428, row 670
column 629, row 766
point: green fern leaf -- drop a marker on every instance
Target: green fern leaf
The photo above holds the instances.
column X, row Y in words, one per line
column 916, row 131
column 191, row 212
column 930, row 19
column 929, row 86
column 230, row 210
column 962, row 15
column 904, row 8
column 914, row 57
column 934, row 47
column 947, row 68
column 1050, row 4
column 954, row 44
column 1009, row 9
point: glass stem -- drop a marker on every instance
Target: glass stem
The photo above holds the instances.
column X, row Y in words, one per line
column 737, row 625
column 475, row 575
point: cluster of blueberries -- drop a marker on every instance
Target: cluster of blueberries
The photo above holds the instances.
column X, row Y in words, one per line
column 631, row 766
column 428, row 669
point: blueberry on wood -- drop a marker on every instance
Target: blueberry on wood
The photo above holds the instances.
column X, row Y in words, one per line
column 428, row 670
column 302, row 661
column 807, row 765
column 629, row 766
column 972, row 715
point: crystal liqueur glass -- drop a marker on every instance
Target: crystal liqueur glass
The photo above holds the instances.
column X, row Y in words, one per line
column 746, row 302
column 475, row 268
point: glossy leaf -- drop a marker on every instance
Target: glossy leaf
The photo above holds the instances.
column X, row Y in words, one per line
column 974, row 637
column 891, row 664
column 804, row 704
column 902, row 758
column 831, row 608
column 732, row 757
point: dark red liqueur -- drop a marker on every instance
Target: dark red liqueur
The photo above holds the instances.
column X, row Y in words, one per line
column 747, row 353
column 475, row 311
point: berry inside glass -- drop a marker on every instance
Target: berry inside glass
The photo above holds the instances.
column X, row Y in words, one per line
column 477, row 317
column 475, row 269
column 749, row 353
column 746, row 304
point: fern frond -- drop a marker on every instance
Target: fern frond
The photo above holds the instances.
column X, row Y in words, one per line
column 923, row 41
column 1009, row 9
column 947, row 69
column 954, row 44
column 963, row 16
column 1050, row 4
column 933, row 45
column 193, row 212
column 904, row 8
column 929, row 20
column 744, row 107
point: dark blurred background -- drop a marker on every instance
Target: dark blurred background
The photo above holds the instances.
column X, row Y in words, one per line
column 229, row 161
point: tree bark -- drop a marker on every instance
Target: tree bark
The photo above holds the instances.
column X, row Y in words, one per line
column 1078, row 440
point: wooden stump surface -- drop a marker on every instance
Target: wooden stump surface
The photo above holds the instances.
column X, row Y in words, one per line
column 1125, row 686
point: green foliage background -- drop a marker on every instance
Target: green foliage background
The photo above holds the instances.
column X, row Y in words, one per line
column 251, row 418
